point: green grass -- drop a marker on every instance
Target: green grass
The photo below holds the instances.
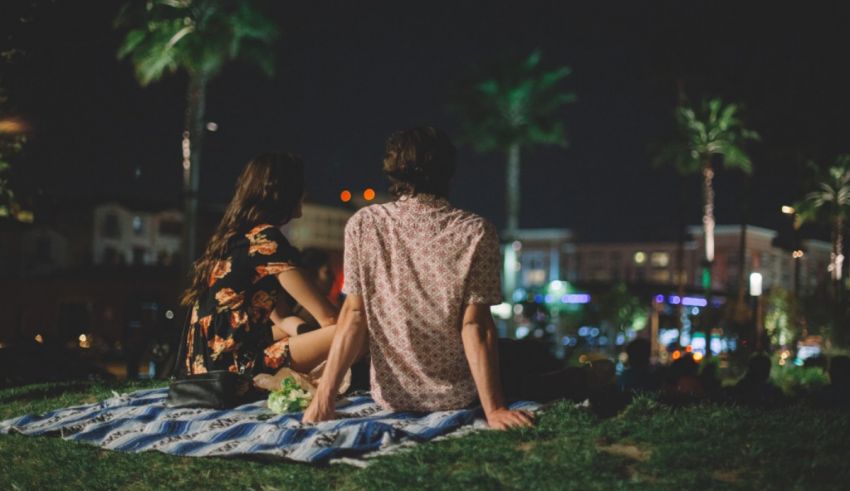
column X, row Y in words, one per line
column 648, row 445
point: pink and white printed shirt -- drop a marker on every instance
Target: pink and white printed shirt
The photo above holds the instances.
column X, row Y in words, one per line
column 418, row 262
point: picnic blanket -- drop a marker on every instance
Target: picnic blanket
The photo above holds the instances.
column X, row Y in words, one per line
column 140, row 421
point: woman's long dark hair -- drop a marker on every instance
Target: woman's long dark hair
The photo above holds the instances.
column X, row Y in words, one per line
column 268, row 191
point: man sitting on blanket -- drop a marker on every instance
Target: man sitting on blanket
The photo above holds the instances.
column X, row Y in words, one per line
column 420, row 276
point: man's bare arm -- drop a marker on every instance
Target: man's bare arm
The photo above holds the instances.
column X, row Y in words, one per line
column 348, row 344
column 480, row 345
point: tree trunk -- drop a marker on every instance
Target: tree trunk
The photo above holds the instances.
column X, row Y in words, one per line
column 708, row 214
column 513, row 191
column 708, row 231
column 193, row 136
column 837, row 263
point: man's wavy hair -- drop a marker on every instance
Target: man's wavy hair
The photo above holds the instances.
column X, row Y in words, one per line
column 419, row 161
column 269, row 191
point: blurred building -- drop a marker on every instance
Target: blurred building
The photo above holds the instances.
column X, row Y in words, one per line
column 545, row 255
column 320, row 226
column 136, row 235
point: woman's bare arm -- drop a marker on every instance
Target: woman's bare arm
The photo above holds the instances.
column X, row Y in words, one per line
column 305, row 292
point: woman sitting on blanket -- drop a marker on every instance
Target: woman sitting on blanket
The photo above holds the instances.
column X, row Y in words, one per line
column 247, row 282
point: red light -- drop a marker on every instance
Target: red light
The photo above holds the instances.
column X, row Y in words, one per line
column 369, row 194
column 345, row 196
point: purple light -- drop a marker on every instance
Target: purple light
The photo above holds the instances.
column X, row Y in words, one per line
column 659, row 299
column 576, row 298
column 674, row 299
column 694, row 302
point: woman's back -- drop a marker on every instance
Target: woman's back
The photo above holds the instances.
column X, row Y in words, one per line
column 230, row 323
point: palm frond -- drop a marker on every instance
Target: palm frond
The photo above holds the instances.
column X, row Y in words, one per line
column 513, row 102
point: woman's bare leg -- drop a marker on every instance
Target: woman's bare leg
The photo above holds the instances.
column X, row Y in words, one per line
column 310, row 349
column 306, row 352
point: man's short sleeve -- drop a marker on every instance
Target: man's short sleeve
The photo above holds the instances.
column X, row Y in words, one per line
column 351, row 257
column 483, row 285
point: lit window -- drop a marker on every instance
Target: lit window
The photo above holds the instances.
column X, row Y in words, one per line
column 659, row 259
column 640, row 257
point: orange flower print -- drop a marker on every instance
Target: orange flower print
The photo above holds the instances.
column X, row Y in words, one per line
column 259, row 243
column 228, row 299
column 219, row 271
column 194, row 317
column 205, row 325
column 219, row 346
column 264, row 270
column 277, row 354
column 238, row 318
column 233, row 368
column 190, row 348
column 256, row 230
column 261, row 306
column 198, row 365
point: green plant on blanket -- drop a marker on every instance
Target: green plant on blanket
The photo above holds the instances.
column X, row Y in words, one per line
column 291, row 397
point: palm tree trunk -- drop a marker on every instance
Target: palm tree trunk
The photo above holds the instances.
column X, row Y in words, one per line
column 837, row 251
column 708, row 214
column 837, row 263
column 193, row 136
column 513, row 191
column 708, row 232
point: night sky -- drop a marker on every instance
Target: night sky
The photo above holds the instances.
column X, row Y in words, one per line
column 350, row 73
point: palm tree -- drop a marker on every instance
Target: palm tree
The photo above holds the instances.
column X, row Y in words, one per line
column 831, row 203
column 513, row 106
column 197, row 37
column 706, row 136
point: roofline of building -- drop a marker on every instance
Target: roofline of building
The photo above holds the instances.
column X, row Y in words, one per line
column 734, row 229
column 543, row 234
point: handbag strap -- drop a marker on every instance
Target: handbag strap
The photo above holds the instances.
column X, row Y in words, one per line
column 181, row 347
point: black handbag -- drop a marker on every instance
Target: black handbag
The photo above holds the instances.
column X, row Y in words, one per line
column 216, row 389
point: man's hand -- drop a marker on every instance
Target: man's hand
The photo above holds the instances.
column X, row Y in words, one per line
column 320, row 409
column 502, row 419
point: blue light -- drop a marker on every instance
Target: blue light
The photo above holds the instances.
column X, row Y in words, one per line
column 674, row 299
column 695, row 311
column 549, row 298
column 576, row 298
column 538, row 298
column 566, row 340
column 583, row 331
column 521, row 332
column 594, row 331
column 621, row 340
column 519, row 295
column 659, row 299
column 694, row 302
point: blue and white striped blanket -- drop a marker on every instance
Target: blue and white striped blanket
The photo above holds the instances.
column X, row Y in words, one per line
column 139, row 421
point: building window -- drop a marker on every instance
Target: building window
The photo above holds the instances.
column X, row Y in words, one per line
column 111, row 228
column 138, row 256
column 659, row 259
column 170, row 227
column 138, row 225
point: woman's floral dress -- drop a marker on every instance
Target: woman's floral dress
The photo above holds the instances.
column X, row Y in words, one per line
column 230, row 326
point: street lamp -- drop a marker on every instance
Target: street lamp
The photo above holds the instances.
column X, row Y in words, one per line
column 756, row 292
